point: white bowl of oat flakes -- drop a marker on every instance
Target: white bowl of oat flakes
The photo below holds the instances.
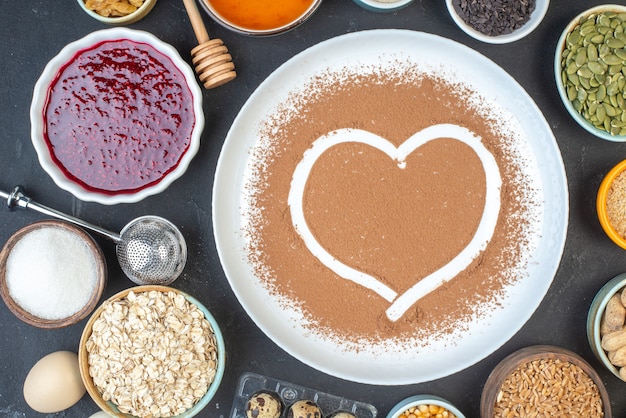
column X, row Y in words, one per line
column 152, row 351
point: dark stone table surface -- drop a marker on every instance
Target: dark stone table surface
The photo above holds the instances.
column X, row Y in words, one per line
column 33, row 31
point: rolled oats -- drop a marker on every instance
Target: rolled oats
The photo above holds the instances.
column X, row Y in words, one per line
column 153, row 354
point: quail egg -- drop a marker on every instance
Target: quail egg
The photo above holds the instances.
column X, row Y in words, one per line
column 263, row 405
column 304, row 409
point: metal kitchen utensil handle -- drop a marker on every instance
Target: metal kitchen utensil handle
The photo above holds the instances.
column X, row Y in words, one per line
column 17, row 198
column 150, row 249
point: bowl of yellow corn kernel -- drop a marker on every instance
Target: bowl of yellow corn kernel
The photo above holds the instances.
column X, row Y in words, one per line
column 425, row 406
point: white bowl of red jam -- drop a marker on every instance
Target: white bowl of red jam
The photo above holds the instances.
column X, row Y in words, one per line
column 116, row 116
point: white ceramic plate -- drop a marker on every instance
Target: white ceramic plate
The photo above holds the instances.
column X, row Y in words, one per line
column 40, row 96
column 373, row 364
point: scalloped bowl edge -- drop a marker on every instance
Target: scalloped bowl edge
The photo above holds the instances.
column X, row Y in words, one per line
column 40, row 96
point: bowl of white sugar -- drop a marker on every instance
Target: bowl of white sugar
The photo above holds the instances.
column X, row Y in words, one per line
column 52, row 274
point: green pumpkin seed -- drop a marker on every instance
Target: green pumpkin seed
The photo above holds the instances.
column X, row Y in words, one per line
column 577, row 105
column 571, row 93
column 603, row 20
column 592, row 53
column 601, row 113
column 596, row 39
column 612, row 88
column 612, row 59
column 595, row 67
column 603, row 50
column 615, row 69
column 574, row 79
column 601, row 94
column 584, row 82
column 614, row 43
column 573, row 38
column 584, row 72
column 621, row 53
column 609, row 110
column 572, row 68
column 581, row 57
column 586, row 28
column 618, row 123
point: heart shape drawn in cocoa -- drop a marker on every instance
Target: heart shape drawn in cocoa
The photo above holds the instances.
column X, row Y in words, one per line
column 423, row 286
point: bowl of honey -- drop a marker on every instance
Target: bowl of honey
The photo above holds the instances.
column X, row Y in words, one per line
column 260, row 17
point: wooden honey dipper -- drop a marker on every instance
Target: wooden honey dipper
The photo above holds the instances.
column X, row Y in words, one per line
column 211, row 59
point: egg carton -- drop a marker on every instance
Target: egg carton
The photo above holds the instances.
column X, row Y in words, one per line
column 288, row 393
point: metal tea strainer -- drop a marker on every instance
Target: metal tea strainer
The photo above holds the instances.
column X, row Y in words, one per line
column 150, row 249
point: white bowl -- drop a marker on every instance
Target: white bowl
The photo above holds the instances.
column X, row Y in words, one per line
column 383, row 6
column 536, row 17
column 560, row 46
column 418, row 400
column 133, row 17
column 38, row 125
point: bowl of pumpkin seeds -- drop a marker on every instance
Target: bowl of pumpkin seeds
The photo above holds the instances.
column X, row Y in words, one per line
column 590, row 70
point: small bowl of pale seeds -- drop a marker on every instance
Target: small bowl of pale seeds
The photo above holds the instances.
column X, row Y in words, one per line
column 151, row 351
column 611, row 204
column 544, row 380
column 117, row 12
column 588, row 64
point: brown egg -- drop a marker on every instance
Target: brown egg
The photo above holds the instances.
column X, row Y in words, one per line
column 54, row 384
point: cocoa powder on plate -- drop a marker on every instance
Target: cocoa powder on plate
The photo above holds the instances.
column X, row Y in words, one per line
column 397, row 225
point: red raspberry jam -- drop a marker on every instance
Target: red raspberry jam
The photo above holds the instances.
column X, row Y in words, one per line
column 118, row 117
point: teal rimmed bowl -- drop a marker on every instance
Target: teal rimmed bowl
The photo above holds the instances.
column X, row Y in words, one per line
column 594, row 318
column 108, row 406
column 417, row 400
column 558, row 69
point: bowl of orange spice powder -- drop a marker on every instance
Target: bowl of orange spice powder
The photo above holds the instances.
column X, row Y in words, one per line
column 260, row 17
column 611, row 204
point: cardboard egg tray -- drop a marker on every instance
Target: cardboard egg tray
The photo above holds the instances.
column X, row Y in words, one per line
column 288, row 393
